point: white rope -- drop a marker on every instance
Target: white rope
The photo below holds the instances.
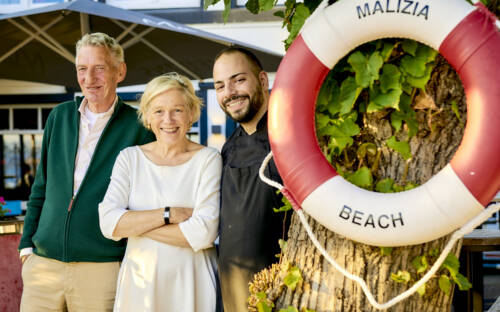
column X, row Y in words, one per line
column 263, row 176
column 467, row 228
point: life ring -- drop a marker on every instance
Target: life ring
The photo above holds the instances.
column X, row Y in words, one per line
column 467, row 37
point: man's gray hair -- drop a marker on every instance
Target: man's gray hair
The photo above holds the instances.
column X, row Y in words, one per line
column 99, row 39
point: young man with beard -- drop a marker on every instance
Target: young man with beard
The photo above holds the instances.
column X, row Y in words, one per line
column 249, row 228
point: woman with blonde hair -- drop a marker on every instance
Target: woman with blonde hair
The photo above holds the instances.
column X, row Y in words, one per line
column 167, row 266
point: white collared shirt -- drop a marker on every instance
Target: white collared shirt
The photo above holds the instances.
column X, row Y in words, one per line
column 91, row 127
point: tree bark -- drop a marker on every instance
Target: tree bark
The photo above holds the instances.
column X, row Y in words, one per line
column 325, row 289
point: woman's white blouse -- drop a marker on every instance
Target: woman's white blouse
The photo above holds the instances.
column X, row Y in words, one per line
column 167, row 275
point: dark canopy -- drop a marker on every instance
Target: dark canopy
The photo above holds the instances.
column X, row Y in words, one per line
column 39, row 45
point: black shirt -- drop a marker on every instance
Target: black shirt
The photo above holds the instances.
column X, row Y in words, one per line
column 249, row 228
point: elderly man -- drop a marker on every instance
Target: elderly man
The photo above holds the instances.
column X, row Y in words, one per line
column 249, row 228
column 67, row 262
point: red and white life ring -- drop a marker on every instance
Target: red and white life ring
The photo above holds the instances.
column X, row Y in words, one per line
column 467, row 37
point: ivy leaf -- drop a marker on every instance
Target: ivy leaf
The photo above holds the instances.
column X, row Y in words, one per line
column 385, row 251
column 327, row 95
column 410, row 47
column 407, row 87
column 279, row 14
column 401, row 277
column 414, row 66
column 286, row 204
column 420, row 82
column 348, row 94
column 366, row 148
column 227, row 10
column 406, row 114
column 454, row 108
column 390, row 78
column 261, row 295
column 263, row 306
column 385, row 100
column 283, row 243
column 292, row 278
column 426, row 52
column 421, row 290
column 341, row 132
column 338, row 140
column 253, row 6
column 444, row 284
column 410, row 186
column 434, row 252
column 384, row 185
column 266, row 5
column 299, row 17
column 461, row 281
column 402, row 147
column 420, row 264
column 207, row 3
column 380, row 100
column 362, row 178
column 289, row 309
column 401, row 188
column 451, row 263
column 366, row 69
column 387, row 51
column 322, row 122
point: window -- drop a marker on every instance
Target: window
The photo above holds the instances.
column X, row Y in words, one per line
column 26, row 118
column 4, row 119
column 21, row 133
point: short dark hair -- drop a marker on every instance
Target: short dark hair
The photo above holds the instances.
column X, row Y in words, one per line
column 254, row 61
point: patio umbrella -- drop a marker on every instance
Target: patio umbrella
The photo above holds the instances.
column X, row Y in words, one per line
column 39, row 45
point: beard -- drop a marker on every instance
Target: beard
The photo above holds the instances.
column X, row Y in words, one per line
column 246, row 114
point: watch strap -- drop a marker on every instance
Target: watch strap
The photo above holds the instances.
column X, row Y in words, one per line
column 166, row 215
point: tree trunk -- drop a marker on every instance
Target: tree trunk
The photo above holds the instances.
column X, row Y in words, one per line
column 325, row 289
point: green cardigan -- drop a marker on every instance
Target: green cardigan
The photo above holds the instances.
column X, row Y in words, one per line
column 50, row 226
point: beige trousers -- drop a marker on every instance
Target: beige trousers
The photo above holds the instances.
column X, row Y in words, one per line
column 51, row 285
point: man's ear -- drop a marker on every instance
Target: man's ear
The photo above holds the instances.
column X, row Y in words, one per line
column 122, row 71
column 264, row 80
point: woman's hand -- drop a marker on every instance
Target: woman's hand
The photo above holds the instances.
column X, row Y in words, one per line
column 180, row 214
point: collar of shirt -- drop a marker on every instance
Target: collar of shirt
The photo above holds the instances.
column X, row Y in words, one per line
column 84, row 106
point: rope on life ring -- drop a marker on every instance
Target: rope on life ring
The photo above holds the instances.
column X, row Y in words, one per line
column 467, row 37
column 466, row 228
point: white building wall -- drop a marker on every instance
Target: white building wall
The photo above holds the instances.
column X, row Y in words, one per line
column 267, row 35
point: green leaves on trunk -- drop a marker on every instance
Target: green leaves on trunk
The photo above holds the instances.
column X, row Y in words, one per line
column 451, row 264
column 293, row 277
column 366, row 68
column 448, row 272
column 402, row 147
column 378, row 76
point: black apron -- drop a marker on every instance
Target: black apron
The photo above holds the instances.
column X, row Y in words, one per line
column 249, row 228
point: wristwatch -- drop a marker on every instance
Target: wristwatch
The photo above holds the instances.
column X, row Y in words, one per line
column 166, row 215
